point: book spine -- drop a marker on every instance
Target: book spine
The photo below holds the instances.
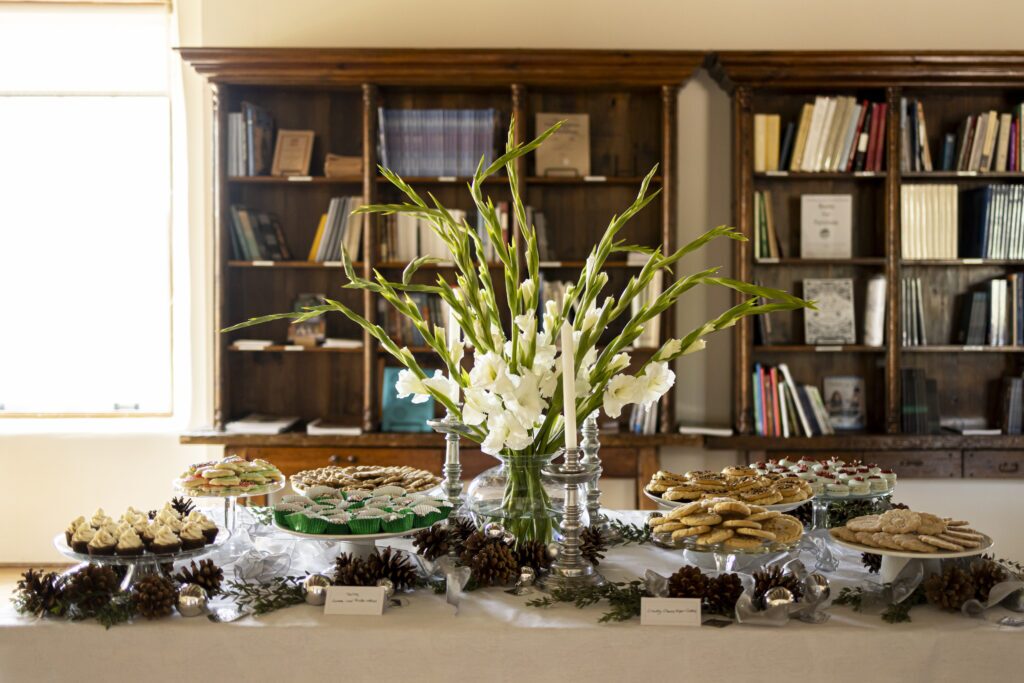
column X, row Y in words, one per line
column 878, row 164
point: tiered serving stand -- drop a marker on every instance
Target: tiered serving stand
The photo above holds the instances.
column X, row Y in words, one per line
column 893, row 561
column 230, row 500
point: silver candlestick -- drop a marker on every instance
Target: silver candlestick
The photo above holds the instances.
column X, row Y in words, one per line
column 453, row 430
column 591, row 447
column 570, row 569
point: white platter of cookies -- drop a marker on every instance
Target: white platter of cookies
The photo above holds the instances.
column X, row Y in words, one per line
column 773, row 491
column 725, row 525
column 910, row 534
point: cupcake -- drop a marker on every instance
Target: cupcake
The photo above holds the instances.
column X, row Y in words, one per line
column 313, row 523
column 859, row 486
column 150, row 533
column 72, row 528
column 192, row 536
column 338, row 523
column 357, row 495
column 389, row 490
column 367, row 524
column 425, row 515
column 172, row 523
column 209, row 527
column 394, row 522
column 129, row 543
column 377, row 502
column 837, row 489
column 294, row 498
column 103, row 543
column 315, row 492
column 165, row 542
column 282, row 510
column 99, row 519
column 81, row 538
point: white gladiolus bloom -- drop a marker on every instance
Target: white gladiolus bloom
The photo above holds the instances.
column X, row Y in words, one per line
column 619, row 362
column 544, row 355
column 479, row 404
column 409, row 384
column 669, row 349
column 622, row 390
column 656, row 380
column 526, row 402
column 444, row 385
column 487, row 369
column 698, row 345
column 527, row 324
column 498, row 429
column 592, row 315
column 527, row 289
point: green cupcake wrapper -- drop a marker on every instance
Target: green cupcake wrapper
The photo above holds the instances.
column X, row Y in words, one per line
column 337, row 528
column 293, row 520
column 403, row 523
column 365, row 525
column 281, row 517
column 315, row 526
column 428, row 519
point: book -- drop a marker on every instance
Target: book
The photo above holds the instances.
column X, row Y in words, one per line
column 339, row 166
column 833, row 322
column 320, row 426
column 929, row 222
column 760, row 143
column 251, row 344
column 401, row 414
column 772, row 125
column 786, row 148
column 567, row 152
column 874, row 311
column 826, row 225
column 309, row 332
column 803, row 129
column 845, row 402
column 1003, row 142
column 949, row 152
column 259, row 139
column 258, row 423
column 437, row 142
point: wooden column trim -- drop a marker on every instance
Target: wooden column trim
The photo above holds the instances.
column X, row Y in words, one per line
column 647, row 465
column 221, row 253
column 743, row 188
column 892, row 264
column 669, row 97
column 370, row 387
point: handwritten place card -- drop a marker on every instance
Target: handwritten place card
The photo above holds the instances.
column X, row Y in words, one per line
column 355, row 600
column 669, row 611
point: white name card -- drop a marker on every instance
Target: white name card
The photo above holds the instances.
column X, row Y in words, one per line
column 669, row 611
column 355, row 600
column 828, row 348
column 972, row 261
column 333, row 264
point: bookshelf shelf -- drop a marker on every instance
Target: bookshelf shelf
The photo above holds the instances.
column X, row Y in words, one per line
column 294, row 180
column 798, row 175
column 283, row 348
column 311, row 265
column 962, row 175
column 591, row 180
column 952, row 348
column 795, row 261
column 961, row 263
column 819, row 348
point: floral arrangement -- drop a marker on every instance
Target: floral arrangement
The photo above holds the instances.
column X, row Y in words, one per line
column 514, row 395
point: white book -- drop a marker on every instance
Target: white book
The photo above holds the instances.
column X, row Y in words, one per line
column 844, row 110
column 321, row 426
column 251, row 344
column 826, row 225
column 817, row 121
column 826, row 129
column 848, row 147
column 257, row 423
column 783, row 410
column 706, row 431
column 922, row 335
column 905, row 243
column 804, row 421
column 978, row 144
column 874, row 312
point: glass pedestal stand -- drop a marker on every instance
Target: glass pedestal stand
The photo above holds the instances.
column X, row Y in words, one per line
column 230, row 518
column 817, row 539
column 358, row 545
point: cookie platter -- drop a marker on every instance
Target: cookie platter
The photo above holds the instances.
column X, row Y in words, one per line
column 909, row 534
column 366, row 478
column 232, row 477
column 725, row 526
column 672, row 504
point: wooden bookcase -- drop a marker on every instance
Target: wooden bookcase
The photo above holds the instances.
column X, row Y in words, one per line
column 631, row 100
column 951, row 86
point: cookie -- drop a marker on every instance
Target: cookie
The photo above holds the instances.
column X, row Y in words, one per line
column 865, row 523
column 685, row 509
column 763, row 515
column 930, row 525
column 741, row 523
column 682, row 493
column 657, row 488
column 771, row 499
column 731, row 506
column 699, row 519
column 899, row 521
column 667, row 527
column 961, row 532
column 940, row 543
column 757, row 533
column 865, row 538
column 965, row 542
column 689, row 531
column 884, row 540
column 715, row 536
column 742, row 543
column 787, row 529
column 956, row 522
column 655, row 521
column 844, row 534
column 911, row 542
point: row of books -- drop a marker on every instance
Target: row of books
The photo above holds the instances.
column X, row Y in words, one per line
column 644, row 420
column 784, row 408
column 767, row 244
column 259, row 423
column 992, row 222
column 256, row 236
column 835, row 321
column 834, row 134
column 297, row 340
column 912, row 318
column 338, row 228
column 437, row 142
column 919, row 408
column 993, row 314
column 929, row 217
column 988, row 141
column 250, row 141
column 401, row 329
column 1012, row 405
column 406, row 237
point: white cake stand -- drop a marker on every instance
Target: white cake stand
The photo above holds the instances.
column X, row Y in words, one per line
column 893, row 561
column 358, row 545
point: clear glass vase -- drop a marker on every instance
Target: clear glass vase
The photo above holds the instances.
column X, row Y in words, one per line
column 517, row 495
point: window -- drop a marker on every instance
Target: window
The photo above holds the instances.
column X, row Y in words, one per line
column 85, row 204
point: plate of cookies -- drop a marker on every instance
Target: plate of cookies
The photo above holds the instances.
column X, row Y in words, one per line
column 906, row 533
column 725, row 525
column 773, row 491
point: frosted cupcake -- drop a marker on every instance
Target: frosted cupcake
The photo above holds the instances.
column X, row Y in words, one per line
column 81, row 538
column 192, row 536
column 390, row 490
column 837, row 489
column 357, row 495
column 99, row 519
column 73, row 527
column 165, row 542
column 129, row 543
column 102, row 543
column 315, row 492
column 209, row 527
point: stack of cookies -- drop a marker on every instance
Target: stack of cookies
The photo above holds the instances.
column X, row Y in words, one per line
column 740, row 483
column 916, row 532
column 726, row 523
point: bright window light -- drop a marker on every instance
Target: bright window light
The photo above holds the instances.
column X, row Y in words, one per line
column 85, row 244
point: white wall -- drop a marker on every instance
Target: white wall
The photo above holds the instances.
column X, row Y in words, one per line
column 54, row 478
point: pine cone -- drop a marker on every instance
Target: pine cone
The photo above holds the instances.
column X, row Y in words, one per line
column 898, row 506
column 392, row 565
column 772, row 576
column 154, row 596
column 351, row 571
column 950, row 589
column 182, row 505
column 460, row 529
column 91, row 588
column 207, row 574
column 985, row 574
column 473, row 544
column 592, row 545
column 722, row 593
column 533, row 554
column 804, row 513
column 871, row 561
column 687, row 582
column 433, row 542
column 40, row 594
column 494, row 565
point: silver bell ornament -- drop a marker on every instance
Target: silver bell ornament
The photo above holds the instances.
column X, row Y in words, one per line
column 192, row 600
column 494, row 530
column 527, row 576
column 816, row 588
column 389, row 588
column 316, row 589
column 773, row 597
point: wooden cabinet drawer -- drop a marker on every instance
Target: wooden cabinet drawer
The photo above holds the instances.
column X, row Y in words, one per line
column 994, row 464
column 920, row 464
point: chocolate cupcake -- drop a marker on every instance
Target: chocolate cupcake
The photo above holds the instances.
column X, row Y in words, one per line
column 72, row 528
column 80, row 539
column 102, row 544
column 165, row 542
column 192, row 536
column 129, row 544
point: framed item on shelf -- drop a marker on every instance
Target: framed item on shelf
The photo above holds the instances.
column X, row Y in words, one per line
column 833, row 322
column 825, row 225
column 567, row 153
column 292, row 152
column 844, row 401
column 309, row 332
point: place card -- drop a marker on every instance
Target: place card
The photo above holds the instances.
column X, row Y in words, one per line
column 670, row 611
column 967, row 174
column 355, row 600
column 293, row 347
column 595, row 179
column 768, row 260
column 972, row 261
column 777, row 174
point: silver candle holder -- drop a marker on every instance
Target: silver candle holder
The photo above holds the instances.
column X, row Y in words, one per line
column 569, row 569
column 591, row 446
column 453, row 430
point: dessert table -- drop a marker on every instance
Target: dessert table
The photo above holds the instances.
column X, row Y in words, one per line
column 496, row 637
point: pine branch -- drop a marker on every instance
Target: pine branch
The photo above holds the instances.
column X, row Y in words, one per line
column 262, row 598
column 623, row 599
column 631, row 533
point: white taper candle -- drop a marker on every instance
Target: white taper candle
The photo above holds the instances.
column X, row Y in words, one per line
column 569, row 385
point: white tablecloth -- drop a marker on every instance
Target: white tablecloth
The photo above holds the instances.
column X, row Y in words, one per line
column 496, row 637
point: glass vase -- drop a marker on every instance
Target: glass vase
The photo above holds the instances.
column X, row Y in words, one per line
column 517, row 495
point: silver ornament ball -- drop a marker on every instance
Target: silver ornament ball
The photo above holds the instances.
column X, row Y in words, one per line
column 494, row 530
column 192, row 600
column 316, row 589
column 553, row 550
column 527, row 576
column 773, row 597
column 389, row 588
column 817, row 588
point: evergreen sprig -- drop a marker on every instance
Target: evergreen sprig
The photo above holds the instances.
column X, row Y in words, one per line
column 631, row 533
column 895, row 613
column 263, row 514
column 264, row 597
column 623, row 598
